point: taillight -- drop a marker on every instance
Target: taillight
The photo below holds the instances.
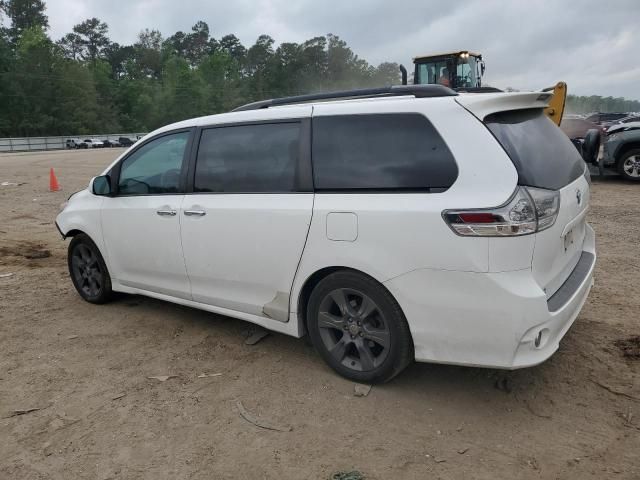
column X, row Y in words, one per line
column 529, row 210
column 547, row 204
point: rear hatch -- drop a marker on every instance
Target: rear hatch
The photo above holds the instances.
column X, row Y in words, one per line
column 545, row 158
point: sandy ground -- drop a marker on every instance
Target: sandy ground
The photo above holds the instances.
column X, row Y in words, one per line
column 85, row 368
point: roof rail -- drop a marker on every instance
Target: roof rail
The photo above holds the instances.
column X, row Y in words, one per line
column 418, row 91
column 480, row 90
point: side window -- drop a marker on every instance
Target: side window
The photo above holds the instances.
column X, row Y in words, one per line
column 248, row 158
column 399, row 151
column 155, row 167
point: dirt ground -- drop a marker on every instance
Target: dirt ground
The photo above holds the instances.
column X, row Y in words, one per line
column 86, row 368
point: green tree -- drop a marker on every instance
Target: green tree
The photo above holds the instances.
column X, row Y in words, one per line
column 75, row 105
column 196, row 44
column 183, row 93
column 7, row 75
column 258, row 63
column 148, row 54
column 314, row 58
column 72, row 45
column 92, row 35
column 24, row 15
column 121, row 60
column 106, row 94
column 232, row 46
column 33, row 84
column 222, row 82
column 286, row 70
column 387, row 73
column 175, row 44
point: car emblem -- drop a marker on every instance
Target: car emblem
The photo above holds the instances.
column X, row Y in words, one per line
column 579, row 196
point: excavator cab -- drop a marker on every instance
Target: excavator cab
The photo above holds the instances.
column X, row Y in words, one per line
column 463, row 71
column 457, row 70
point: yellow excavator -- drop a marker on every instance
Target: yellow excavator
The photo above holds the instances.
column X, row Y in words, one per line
column 463, row 70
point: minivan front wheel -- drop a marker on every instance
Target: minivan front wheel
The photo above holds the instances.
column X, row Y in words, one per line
column 358, row 328
column 88, row 271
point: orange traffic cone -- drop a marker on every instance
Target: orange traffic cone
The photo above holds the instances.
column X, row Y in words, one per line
column 53, row 181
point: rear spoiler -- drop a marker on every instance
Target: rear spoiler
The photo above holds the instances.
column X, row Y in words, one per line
column 485, row 104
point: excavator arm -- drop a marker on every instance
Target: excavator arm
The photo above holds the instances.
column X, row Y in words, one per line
column 556, row 104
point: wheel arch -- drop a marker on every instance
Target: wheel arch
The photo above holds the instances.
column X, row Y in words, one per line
column 75, row 231
column 100, row 290
column 315, row 278
column 305, row 292
column 624, row 149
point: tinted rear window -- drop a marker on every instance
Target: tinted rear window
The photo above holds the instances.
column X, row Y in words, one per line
column 380, row 152
column 542, row 154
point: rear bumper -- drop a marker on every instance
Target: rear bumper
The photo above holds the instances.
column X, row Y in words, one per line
column 498, row 320
column 563, row 308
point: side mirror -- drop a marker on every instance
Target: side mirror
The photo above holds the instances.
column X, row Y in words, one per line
column 102, row 185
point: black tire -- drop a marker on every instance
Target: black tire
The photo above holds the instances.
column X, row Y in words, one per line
column 367, row 339
column 629, row 165
column 591, row 146
column 88, row 271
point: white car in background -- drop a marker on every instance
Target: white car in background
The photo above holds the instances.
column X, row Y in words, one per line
column 71, row 143
column 398, row 224
column 91, row 143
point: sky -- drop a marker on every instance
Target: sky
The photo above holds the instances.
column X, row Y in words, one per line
column 527, row 45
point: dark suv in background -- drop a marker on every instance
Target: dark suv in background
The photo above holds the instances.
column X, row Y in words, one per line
column 622, row 152
column 601, row 118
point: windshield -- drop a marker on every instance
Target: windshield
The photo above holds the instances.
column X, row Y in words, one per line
column 433, row 72
column 453, row 72
column 466, row 72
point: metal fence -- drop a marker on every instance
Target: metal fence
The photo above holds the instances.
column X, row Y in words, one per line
column 25, row 144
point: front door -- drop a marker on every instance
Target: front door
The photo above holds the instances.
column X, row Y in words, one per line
column 245, row 224
column 141, row 223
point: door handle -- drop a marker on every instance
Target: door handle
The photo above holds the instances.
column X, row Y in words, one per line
column 166, row 213
column 195, row 213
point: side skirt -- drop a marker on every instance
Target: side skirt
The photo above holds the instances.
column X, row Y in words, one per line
column 288, row 328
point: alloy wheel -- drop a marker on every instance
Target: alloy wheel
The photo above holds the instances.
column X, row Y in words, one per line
column 631, row 166
column 353, row 329
column 86, row 270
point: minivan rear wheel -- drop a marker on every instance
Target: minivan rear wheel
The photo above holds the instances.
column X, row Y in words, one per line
column 629, row 165
column 358, row 328
column 88, row 271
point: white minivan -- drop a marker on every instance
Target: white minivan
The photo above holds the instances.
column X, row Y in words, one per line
column 390, row 225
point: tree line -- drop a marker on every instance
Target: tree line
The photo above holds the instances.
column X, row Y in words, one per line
column 86, row 83
column 596, row 103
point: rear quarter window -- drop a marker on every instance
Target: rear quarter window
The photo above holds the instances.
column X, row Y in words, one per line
column 380, row 152
column 542, row 154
